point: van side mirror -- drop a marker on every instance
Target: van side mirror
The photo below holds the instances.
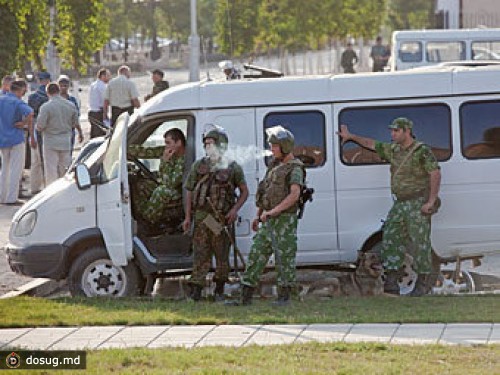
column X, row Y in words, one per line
column 82, row 176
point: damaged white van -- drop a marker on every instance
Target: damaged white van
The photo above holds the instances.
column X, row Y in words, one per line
column 83, row 227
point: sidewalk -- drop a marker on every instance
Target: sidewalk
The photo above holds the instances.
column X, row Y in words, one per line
column 92, row 338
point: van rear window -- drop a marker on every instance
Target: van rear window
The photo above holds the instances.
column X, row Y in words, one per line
column 431, row 125
column 480, row 128
column 308, row 128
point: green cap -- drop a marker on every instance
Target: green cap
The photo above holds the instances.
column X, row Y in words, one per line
column 401, row 123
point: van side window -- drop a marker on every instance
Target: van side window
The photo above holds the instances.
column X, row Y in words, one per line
column 410, row 52
column 480, row 129
column 445, row 51
column 431, row 125
column 485, row 50
column 308, row 128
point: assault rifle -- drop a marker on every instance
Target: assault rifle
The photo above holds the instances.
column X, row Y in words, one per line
column 306, row 195
column 229, row 233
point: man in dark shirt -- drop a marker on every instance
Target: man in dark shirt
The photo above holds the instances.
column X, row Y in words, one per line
column 159, row 83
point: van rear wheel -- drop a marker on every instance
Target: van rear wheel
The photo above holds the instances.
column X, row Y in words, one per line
column 93, row 274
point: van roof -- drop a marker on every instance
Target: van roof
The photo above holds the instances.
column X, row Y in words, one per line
column 429, row 82
column 448, row 34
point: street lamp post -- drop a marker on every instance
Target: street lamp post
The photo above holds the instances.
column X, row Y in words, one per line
column 51, row 53
column 194, row 47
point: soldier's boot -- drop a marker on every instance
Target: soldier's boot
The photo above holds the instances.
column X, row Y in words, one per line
column 219, row 291
column 391, row 285
column 283, row 296
column 195, row 294
column 421, row 288
column 246, row 295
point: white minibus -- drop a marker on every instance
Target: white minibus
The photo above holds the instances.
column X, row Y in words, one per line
column 415, row 48
column 83, row 226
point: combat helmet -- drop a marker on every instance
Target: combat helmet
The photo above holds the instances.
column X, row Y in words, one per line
column 218, row 134
column 279, row 135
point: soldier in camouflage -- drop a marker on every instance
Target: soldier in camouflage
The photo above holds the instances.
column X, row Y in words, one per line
column 276, row 221
column 415, row 182
column 212, row 203
column 161, row 200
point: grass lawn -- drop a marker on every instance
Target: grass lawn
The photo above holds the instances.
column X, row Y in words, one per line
column 313, row 358
column 40, row 312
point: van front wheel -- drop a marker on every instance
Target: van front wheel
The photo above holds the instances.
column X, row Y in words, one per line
column 94, row 275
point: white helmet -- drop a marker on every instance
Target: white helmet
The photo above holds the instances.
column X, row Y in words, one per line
column 226, row 64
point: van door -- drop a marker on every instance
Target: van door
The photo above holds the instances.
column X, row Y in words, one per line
column 310, row 125
column 113, row 197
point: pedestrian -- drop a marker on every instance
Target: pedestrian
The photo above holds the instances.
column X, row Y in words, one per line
column 96, row 102
column 348, row 59
column 159, row 84
column 229, row 70
column 121, row 95
column 6, row 82
column 276, row 222
column 35, row 101
column 380, row 55
column 56, row 120
column 161, row 201
column 15, row 115
column 211, row 202
column 415, row 181
column 64, row 84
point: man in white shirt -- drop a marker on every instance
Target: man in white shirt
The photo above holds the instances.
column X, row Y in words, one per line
column 56, row 120
column 121, row 94
column 96, row 102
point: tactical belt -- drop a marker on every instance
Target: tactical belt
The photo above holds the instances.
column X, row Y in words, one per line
column 408, row 197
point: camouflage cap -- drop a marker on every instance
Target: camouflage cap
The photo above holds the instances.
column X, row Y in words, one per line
column 401, row 123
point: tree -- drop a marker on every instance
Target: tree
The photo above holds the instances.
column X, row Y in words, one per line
column 8, row 44
column 82, row 30
column 29, row 32
column 415, row 14
column 236, row 25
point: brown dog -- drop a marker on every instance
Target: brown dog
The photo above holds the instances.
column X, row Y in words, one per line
column 365, row 281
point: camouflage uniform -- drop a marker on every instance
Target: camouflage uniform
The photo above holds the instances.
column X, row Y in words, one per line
column 159, row 87
column 209, row 180
column 280, row 231
column 162, row 201
column 405, row 224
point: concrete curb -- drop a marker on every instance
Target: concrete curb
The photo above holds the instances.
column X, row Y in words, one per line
column 38, row 287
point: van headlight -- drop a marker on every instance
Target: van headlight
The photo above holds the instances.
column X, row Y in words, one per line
column 26, row 224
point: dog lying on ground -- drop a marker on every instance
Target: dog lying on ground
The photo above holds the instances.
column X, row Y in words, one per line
column 366, row 280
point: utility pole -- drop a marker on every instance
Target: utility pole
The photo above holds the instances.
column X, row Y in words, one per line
column 51, row 53
column 194, row 47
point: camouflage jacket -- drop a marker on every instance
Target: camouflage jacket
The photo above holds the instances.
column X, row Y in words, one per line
column 412, row 177
column 170, row 173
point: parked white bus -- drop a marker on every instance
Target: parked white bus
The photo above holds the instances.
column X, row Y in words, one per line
column 83, row 226
column 414, row 48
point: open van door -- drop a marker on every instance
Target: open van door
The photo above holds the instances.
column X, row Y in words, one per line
column 113, row 197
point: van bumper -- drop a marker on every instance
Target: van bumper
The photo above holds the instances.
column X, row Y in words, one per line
column 48, row 260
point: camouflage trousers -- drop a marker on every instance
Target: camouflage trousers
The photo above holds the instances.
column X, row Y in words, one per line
column 282, row 233
column 406, row 230
column 153, row 204
column 205, row 245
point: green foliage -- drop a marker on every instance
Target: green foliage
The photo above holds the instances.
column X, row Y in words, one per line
column 415, row 14
column 30, row 32
column 236, row 24
column 8, row 45
column 81, row 31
